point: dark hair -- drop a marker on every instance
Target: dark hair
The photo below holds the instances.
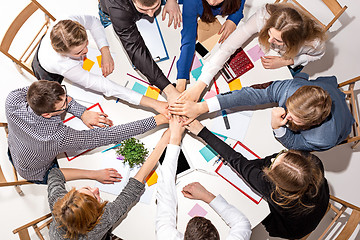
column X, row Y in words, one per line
column 42, row 96
column 200, row 228
column 296, row 28
column 311, row 104
column 297, row 178
column 228, row 7
column 146, row 3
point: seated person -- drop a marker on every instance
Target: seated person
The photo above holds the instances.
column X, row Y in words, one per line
column 207, row 10
column 281, row 27
column 37, row 134
column 123, row 15
column 70, row 209
column 292, row 182
column 198, row 227
column 313, row 115
column 61, row 54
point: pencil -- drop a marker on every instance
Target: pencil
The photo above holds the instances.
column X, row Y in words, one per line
column 137, row 78
column 171, row 67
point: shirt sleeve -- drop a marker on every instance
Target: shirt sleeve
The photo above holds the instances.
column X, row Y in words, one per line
column 310, row 52
column 242, row 33
column 93, row 24
column 56, row 186
column 238, row 15
column 101, row 84
column 240, row 227
column 166, row 196
column 76, row 108
column 124, row 25
column 190, row 13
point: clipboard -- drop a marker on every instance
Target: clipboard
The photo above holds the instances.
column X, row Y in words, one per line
column 77, row 124
column 154, row 41
column 235, row 179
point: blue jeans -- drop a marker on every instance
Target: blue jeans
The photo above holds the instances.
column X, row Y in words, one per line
column 44, row 181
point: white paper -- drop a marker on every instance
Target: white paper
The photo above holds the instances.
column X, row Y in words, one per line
column 152, row 38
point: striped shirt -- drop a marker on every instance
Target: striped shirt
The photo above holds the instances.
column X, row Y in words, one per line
column 35, row 141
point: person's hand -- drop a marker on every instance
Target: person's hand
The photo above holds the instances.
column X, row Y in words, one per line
column 227, row 28
column 278, row 117
column 107, row 62
column 196, row 191
column 189, row 109
column 162, row 108
column 172, row 8
column 193, row 93
column 99, row 119
column 194, row 127
column 176, row 130
column 273, row 62
column 107, row 176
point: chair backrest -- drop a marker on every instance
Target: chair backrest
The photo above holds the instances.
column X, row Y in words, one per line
column 339, row 207
column 353, row 104
column 16, row 182
column 24, row 232
column 333, row 5
column 25, row 59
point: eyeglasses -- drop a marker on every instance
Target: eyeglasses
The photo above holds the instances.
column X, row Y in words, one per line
column 274, row 159
column 65, row 103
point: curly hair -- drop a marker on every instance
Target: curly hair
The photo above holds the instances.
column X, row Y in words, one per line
column 77, row 213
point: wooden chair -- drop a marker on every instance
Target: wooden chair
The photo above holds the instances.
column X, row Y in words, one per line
column 333, row 5
column 25, row 59
column 24, row 232
column 17, row 182
column 351, row 98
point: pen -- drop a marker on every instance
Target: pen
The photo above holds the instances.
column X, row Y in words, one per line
column 137, row 78
column 171, row 67
column 111, row 147
column 223, row 112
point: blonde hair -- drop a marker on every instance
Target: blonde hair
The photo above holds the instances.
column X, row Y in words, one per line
column 296, row 177
column 297, row 28
column 311, row 104
column 77, row 213
column 67, row 34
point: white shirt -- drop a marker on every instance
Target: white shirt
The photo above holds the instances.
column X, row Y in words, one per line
column 167, row 204
column 72, row 69
column 310, row 51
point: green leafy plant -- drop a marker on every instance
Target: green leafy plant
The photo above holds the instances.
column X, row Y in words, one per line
column 132, row 151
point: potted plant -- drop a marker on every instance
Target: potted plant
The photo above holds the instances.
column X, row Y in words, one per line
column 132, row 151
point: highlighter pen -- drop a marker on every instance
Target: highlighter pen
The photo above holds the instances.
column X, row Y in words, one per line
column 223, row 112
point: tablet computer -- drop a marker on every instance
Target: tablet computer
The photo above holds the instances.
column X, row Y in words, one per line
column 183, row 166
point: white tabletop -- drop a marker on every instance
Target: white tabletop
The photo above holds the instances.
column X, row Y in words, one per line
column 140, row 221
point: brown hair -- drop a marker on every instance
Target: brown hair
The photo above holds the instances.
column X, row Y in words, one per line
column 296, row 28
column 77, row 213
column 67, row 34
column 311, row 104
column 42, row 96
column 228, row 7
column 200, row 228
column 296, row 178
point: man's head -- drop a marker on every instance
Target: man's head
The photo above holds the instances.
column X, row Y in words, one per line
column 200, row 228
column 148, row 7
column 307, row 107
column 47, row 98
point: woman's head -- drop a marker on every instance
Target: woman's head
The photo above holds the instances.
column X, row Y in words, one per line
column 228, row 7
column 294, row 26
column 69, row 38
column 79, row 211
column 295, row 174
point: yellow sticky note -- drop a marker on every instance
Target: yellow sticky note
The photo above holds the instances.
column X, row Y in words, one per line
column 235, row 84
column 88, row 64
column 152, row 178
column 98, row 58
column 152, row 92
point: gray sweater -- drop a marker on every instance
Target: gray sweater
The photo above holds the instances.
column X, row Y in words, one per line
column 113, row 210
